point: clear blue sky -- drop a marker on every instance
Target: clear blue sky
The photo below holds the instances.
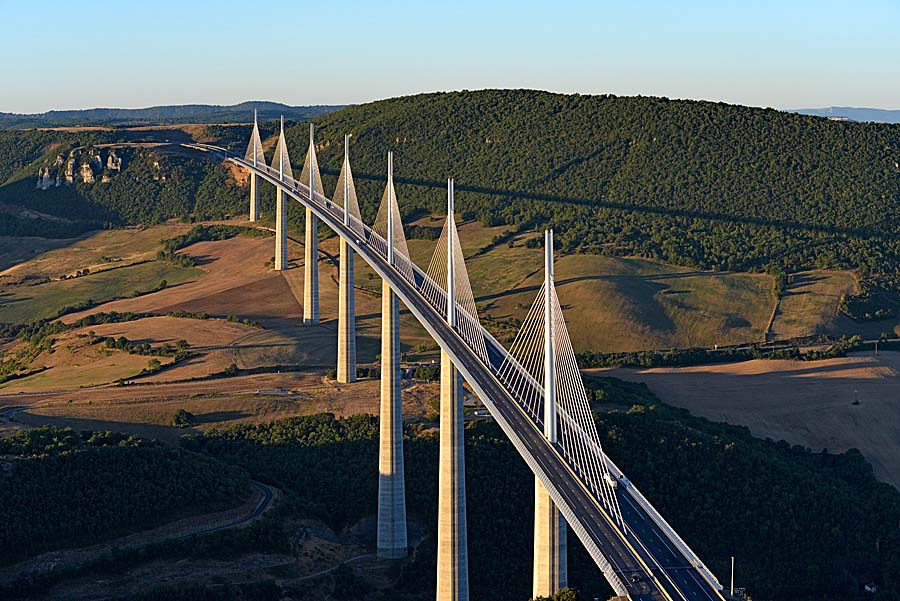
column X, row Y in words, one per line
column 785, row 54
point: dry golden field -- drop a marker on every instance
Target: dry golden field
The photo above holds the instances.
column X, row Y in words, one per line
column 805, row 403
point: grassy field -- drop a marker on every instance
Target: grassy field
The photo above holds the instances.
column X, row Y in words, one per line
column 121, row 264
column 610, row 303
column 805, row 403
column 22, row 303
column 15, row 250
column 613, row 303
column 810, row 304
column 101, row 250
column 74, row 363
column 147, row 410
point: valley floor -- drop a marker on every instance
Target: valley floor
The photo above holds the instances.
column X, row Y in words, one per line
column 808, row 403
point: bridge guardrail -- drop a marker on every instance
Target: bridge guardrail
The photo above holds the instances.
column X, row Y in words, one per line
column 663, row 525
column 419, row 275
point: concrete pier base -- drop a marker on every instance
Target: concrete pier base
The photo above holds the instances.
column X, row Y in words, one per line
column 346, row 350
column 281, row 250
column 311, row 270
column 550, row 564
column 254, row 197
column 392, row 542
column 453, row 555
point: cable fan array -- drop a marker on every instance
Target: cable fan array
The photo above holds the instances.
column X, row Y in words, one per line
column 389, row 215
column 345, row 196
column 255, row 155
column 522, row 371
column 311, row 158
column 434, row 288
column 281, row 162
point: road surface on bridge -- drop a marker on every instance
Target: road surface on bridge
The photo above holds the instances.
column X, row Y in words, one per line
column 647, row 563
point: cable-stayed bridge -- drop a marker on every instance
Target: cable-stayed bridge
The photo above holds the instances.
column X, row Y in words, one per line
column 533, row 390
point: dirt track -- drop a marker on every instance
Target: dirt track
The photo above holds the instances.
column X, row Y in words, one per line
column 252, row 509
column 806, row 403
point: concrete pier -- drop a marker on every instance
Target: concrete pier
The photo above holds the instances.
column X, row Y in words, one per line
column 550, row 562
column 391, row 488
column 346, row 350
column 254, row 197
column 311, row 270
column 452, row 550
column 281, row 250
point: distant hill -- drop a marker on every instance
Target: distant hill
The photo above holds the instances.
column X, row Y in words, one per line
column 853, row 113
column 158, row 115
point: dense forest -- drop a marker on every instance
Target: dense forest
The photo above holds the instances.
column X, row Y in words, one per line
column 802, row 524
column 698, row 183
column 65, row 489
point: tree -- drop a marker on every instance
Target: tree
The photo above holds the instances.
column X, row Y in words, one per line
column 183, row 419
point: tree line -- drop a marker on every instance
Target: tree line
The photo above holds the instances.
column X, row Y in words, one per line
column 69, row 489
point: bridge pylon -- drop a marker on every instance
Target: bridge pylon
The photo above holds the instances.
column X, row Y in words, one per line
column 311, row 178
column 453, row 554
column 550, row 556
column 282, row 163
column 345, row 197
column 392, row 542
column 255, row 156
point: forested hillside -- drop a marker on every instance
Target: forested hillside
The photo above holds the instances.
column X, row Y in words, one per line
column 699, row 183
column 154, row 183
column 63, row 489
column 802, row 524
column 705, row 184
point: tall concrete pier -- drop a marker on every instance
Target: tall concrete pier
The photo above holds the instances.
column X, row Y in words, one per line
column 346, row 351
column 550, row 566
column 254, row 197
column 391, row 488
column 281, row 250
column 311, row 270
column 391, row 483
column 550, row 561
column 453, row 555
column 282, row 162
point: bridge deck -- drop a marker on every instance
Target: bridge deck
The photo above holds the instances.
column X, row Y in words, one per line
column 645, row 563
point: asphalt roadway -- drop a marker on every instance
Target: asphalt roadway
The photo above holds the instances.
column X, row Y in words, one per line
column 646, row 562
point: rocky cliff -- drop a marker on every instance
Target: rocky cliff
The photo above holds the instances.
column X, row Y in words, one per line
column 84, row 164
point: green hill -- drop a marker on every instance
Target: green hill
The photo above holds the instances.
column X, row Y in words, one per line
column 703, row 184
column 697, row 184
